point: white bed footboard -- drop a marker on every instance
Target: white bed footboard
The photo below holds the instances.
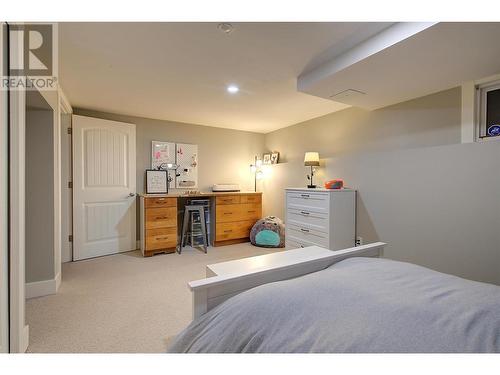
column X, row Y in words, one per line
column 251, row 272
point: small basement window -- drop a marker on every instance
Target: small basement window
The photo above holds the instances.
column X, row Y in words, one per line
column 489, row 110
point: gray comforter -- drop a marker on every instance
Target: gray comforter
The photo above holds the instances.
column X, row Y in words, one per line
column 357, row 305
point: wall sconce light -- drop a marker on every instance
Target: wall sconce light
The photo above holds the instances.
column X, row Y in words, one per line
column 256, row 169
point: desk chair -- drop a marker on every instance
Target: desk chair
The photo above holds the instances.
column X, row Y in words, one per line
column 185, row 223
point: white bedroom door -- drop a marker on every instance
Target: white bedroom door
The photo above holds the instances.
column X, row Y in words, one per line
column 104, row 187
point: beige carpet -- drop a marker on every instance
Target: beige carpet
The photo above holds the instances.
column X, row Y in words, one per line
column 122, row 303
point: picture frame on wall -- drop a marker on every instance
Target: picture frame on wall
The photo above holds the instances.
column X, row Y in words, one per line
column 156, row 181
column 275, row 157
column 266, row 158
column 162, row 153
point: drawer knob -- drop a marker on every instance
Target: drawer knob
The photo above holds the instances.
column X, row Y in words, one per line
column 162, row 238
column 304, row 213
column 161, row 217
column 304, row 230
column 228, row 231
column 304, row 195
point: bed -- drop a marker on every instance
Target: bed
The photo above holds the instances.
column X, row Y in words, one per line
column 349, row 302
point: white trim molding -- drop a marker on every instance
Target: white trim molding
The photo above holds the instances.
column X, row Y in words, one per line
column 42, row 288
column 58, row 281
column 64, row 104
column 19, row 331
column 4, row 198
column 469, row 118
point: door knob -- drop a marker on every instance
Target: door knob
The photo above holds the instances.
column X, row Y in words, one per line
column 131, row 195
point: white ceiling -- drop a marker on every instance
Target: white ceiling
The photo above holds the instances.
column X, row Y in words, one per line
column 426, row 59
column 179, row 71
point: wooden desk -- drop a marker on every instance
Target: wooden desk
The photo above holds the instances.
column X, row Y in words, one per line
column 233, row 215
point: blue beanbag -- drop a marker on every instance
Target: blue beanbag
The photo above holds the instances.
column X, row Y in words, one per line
column 268, row 232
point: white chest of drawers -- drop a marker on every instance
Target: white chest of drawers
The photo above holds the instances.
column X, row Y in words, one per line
column 321, row 217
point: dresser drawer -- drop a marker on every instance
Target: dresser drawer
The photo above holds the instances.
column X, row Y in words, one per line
column 291, row 244
column 235, row 230
column 227, row 199
column 306, row 235
column 162, row 238
column 254, row 198
column 161, row 217
column 227, row 213
column 250, row 211
column 308, row 218
column 296, row 243
column 318, row 202
column 160, row 202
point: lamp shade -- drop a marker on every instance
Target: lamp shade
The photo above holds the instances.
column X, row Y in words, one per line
column 311, row 159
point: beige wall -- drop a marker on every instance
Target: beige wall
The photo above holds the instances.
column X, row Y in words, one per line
column 432, row 199
column 40, row 261
column 428, row 121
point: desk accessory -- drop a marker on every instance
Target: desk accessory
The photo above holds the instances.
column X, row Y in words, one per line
column 334, row 184
column 156, row 181
column 225, row 187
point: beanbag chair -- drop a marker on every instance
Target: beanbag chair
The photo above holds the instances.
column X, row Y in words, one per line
column 268, row 232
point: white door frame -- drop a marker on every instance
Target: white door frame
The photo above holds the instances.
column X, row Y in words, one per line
column 66, row 199
column 19, row 331
column 4, row 213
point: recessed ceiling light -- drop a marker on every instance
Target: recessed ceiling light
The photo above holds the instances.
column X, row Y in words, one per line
column 225, row 27
column 233, row 89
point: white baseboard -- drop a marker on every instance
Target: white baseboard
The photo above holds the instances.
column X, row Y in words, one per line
column 25, row 339
column 58, row 281
column 42, row 288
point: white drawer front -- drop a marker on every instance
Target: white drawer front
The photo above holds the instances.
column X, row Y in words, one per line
column 302, row 234
column 304, row 200
column 296, row 243
column 290, row 244
column 308, row 218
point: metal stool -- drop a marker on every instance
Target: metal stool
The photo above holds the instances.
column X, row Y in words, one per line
column 187, row 214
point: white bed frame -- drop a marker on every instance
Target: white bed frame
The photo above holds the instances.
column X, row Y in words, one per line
column 210, row 292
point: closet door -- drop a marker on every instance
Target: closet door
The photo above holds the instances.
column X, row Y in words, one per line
column 104, row 187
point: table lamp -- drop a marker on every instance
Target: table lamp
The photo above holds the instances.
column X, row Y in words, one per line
column 311, row 159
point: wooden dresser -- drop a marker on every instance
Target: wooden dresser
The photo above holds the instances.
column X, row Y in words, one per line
column 235, row 216
column 158, row 225
column 232, row 218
